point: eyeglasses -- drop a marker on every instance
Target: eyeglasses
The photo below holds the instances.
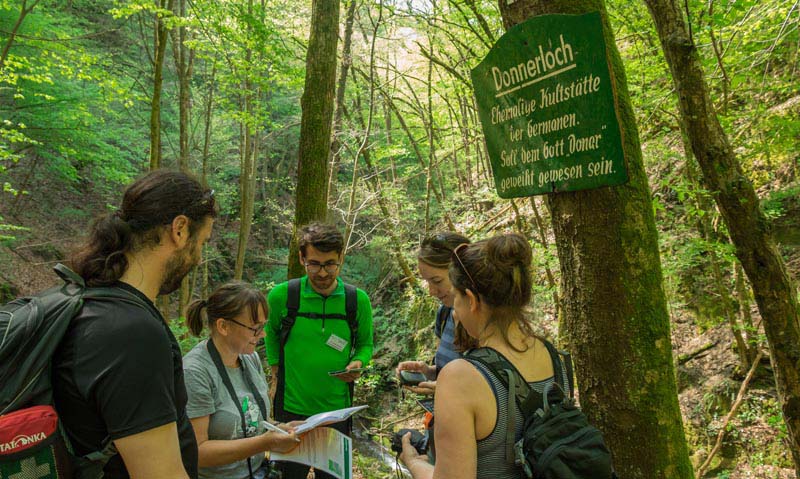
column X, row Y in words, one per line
column 461, row 263
column 328, row 267
column 256, row 331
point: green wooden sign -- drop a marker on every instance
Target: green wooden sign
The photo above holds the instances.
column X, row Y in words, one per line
column 546, row 104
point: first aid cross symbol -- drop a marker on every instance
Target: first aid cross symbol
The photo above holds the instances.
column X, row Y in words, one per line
column 30, row 470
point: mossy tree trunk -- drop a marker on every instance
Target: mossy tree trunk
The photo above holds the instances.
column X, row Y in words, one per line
column 341, row 85
column 774, row 292
column 183, row 57
column 315, row 123
column 614, row 308
column 160, row 37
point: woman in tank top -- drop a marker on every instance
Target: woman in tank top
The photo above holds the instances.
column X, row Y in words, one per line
column 491, row 286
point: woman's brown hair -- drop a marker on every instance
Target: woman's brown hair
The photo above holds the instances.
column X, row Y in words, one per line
column 226, row 302
column 497, row 271
column 437, row 250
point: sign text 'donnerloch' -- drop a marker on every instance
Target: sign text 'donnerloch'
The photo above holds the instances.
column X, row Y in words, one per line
column 546, row 105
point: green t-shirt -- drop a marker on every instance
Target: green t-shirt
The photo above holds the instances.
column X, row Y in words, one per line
column 317, row 346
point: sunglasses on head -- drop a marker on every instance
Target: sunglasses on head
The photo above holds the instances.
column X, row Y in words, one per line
column 463, row 267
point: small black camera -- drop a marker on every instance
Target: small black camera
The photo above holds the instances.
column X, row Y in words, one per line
column 418, row 440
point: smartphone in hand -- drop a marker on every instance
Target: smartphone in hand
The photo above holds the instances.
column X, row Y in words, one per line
column 411, row 378
column 346, row 371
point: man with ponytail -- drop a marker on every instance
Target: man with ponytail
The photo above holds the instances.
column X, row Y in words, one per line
column 118, row 375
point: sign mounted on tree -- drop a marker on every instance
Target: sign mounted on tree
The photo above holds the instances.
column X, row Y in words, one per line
column 546, row 103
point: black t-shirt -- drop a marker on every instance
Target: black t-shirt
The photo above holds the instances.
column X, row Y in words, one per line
column 118, row 372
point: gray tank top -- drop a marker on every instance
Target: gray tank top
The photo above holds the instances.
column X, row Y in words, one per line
column 492, row 449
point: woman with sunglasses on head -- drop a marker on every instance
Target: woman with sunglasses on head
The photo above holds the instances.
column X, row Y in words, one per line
column 228, row 401
column 491, row 287
column 433, row 259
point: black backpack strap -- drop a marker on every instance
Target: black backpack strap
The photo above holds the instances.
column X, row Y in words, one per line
column 518, row 390
column 292, row 307
column 217, row 359
column 441, row 319
column 351, row 314
column 287, row 323
column 68, row 275
column 560, row 358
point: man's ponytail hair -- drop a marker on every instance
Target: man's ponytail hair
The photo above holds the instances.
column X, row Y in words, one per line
column 147, row 205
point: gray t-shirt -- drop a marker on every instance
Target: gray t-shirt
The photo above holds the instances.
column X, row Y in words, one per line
column 208, row 396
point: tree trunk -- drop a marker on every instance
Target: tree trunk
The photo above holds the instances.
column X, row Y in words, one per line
column 247, row 176
column 774, row 292
column 160, row 47
column 615, row 312
column 341, row 84
column 184, row 58
column 315, row 123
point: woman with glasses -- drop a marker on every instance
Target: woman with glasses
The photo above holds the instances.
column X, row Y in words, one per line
column 228, row 402
column 491, row 286
column 433, row 260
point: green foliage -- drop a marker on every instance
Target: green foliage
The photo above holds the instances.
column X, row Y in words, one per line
column 7, row 230
column 182, row 334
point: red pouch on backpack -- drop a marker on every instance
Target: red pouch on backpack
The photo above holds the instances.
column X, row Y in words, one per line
column 31, row 445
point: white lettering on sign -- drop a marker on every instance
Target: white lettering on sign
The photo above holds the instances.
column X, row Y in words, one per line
column 535, row 69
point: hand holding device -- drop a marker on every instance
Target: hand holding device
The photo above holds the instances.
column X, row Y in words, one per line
column 339, row 372
column 411, row 378
column 418, row 440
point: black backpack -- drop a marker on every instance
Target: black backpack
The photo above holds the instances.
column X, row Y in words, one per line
column 31, row 329
column 287, row 323
column 557, row 440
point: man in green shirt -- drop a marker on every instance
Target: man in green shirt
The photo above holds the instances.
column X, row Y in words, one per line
column 320, row 339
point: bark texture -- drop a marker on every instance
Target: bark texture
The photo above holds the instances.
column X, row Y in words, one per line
column 614, row 308
column 774, row 292
column 315, row 123
column 160, row 35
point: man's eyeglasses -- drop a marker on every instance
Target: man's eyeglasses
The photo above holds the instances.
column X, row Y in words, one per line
column 464, row 268
column 256, row 331
column 314, row 268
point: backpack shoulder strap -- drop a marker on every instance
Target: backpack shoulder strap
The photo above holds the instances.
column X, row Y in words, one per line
column 518, row 390
column 292, row 307
column 68, row 275
column 105, row 293
column 500, row 368
column 351, row 313
column 561, row 362
column 441, row 319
